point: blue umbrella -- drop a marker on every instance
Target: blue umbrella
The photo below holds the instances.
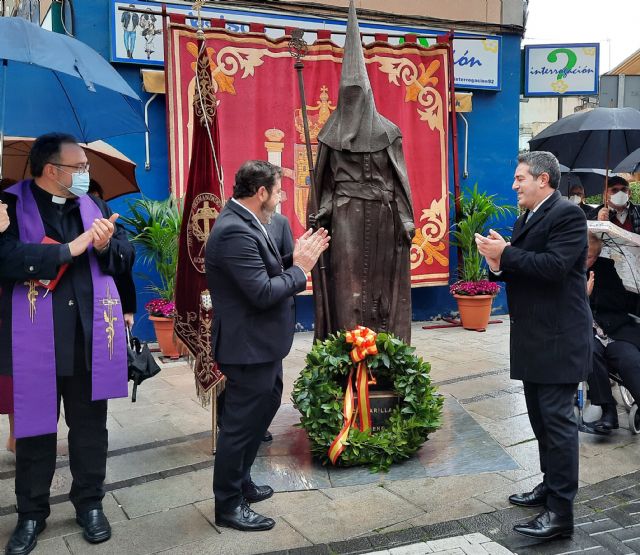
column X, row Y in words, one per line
column 51, row 82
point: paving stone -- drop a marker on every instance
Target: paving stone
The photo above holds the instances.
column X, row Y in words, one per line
column 53, row 546
column 613, row 545
column 150, row 534
column 234, row 542
column 493, row 548
column 442, row 530
column 623, row 515
column 164, row 494
column 485, row 522
column 447, row 543
column 415, row 549
column 335, row 521
column 452, row 511
column 630, row 533
column 350, row 546
column 599, row 526
column 429, row 494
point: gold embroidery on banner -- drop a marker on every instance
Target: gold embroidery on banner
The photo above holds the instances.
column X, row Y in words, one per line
column 204, row 211
column 32, row 296
column 198, row 342
column 109, row 302
column 204, row 98
column 427, row 245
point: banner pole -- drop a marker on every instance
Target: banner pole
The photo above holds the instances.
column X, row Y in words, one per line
column 298, row 49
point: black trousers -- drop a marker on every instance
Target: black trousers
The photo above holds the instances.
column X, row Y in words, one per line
column 252, row 397
column 88, row 443
column 621, row 357
column 550, row 408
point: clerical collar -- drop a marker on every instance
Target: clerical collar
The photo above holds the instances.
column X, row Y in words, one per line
column 58, row 200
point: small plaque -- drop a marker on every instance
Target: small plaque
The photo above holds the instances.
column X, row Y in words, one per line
column 382, row 404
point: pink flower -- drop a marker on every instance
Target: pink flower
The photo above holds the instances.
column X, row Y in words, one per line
column 471, row 288
column 161, row 307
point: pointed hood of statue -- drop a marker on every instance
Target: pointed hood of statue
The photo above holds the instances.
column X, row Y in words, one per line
column 356, row 125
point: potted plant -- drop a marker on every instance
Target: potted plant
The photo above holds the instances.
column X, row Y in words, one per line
column 473, row 291
column 154, row 228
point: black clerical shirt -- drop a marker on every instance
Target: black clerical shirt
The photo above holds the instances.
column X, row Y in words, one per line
column 73, row 296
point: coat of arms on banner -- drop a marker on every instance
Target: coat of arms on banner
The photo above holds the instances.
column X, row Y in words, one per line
column 204, row 211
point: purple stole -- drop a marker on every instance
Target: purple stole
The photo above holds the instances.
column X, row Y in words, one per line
column 33, row 345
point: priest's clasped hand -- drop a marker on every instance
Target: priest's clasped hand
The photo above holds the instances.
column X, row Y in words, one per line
column 103, row 229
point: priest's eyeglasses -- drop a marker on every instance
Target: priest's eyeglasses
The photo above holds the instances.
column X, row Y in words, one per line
column 77, row 167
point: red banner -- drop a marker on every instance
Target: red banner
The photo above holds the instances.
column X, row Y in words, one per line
column 202, row 202
column 260, row 118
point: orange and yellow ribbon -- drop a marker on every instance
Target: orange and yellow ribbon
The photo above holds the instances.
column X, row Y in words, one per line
column 364, row 343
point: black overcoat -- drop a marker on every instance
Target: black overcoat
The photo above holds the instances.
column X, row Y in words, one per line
column 544, row 270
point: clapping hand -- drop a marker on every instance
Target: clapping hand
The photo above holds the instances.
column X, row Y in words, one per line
column 590, row 283
column 4, row 217
column 491, row 247
column 309, row 247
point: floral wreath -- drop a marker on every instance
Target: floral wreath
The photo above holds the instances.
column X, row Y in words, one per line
column 339, row 432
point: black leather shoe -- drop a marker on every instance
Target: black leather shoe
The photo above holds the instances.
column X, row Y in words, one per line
column 254, row 494
column 95, row 525
column 268, row 436
column 535, row 498
column 607, row 422
column 24, row 537
column 245, row 519
column 546, row 525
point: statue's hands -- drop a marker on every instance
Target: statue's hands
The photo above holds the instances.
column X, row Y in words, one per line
column 409, row 231
column 319, row 219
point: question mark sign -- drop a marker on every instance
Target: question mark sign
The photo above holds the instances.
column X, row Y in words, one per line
column 571, row 60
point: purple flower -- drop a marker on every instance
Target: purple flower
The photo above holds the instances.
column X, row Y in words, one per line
column 471, row 288
column 161, row 307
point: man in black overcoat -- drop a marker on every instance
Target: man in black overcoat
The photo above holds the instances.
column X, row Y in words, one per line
column 544, row 270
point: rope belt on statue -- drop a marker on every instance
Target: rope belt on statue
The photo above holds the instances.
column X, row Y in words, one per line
column 364, row 344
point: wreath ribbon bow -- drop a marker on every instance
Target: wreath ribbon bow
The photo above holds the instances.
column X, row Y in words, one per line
column 364, row 343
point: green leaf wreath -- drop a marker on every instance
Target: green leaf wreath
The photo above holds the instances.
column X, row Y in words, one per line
column 318, row 394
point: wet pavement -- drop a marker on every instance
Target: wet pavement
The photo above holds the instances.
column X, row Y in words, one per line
column 159, row 472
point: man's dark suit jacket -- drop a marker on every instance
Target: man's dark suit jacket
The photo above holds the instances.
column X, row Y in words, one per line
column 611, row 303
column 280, row 231
column 544, row 269
column 251, row 291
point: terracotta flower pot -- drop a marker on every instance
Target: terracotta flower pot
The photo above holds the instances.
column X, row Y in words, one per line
column 164, row 335
column 475, row 311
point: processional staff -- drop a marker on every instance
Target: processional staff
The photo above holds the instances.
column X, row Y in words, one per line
column 298, row 49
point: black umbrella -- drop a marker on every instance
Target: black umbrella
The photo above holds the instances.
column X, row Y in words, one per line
column 631, row 164
column 599, row 138
column 591, row 180
column 141, row 363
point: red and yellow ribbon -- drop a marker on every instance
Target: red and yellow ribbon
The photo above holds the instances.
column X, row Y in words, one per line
column 364, row 343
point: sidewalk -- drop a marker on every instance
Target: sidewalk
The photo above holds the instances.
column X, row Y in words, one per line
column 159, row 471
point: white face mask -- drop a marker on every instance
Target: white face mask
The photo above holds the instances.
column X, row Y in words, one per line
column 576, row 199
column 620, row 198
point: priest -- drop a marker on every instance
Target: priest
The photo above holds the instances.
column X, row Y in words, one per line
column 62, row 334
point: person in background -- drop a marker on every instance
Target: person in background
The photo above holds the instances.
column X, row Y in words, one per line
column 619, row 209
column 6, row 383
column 577, row 196
column 616, row 344
column 124, row 282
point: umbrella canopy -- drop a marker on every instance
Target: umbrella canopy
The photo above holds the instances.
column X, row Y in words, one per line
column 52, row 82
column 631, row 164
column 599, row 138
column 109, row 167
column 592, row 180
